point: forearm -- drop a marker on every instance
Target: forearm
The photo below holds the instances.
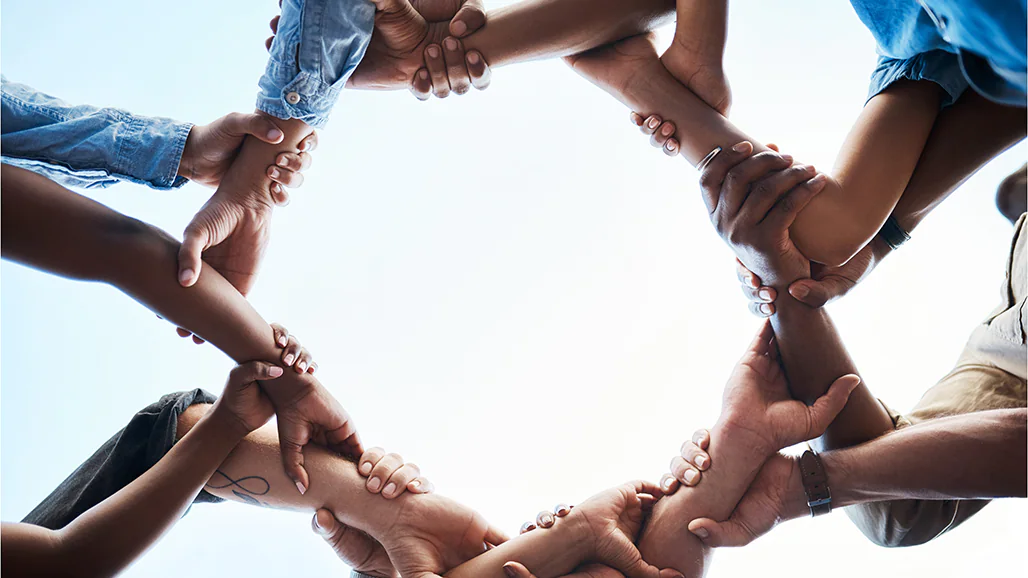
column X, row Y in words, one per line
column 666, row 541
column 702, row 27
column 109, row 536
column 548, row 554
column 965, row 137
column 538, row 29
column 248, row 177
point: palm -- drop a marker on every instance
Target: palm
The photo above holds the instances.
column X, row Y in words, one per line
column 615, row 518
column 239, row 240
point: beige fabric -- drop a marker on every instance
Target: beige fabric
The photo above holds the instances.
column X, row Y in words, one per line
column 990, row 374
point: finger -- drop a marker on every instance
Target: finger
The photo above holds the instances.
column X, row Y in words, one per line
column 668, row 484
column 651, row 124
column 248, row 373
column 382, row 471
column 478, row 69
column 762, row 310
column 189, row 263
column 274, row 24
column 645, row 487
column 279, row 195
column 640, row 568
column 663, row 133
column 420, row 486
column 785, row 211
column 281, row 334
column 437, row 70
column 397, row 483
column 760, row 294
column 295, row 162
column 746, row 277
column 701, row 438
column 713, row 175
column 291, row 352
column 740, row 178
column 527, row 527
column 692, row 454
column 198, row 340
column 826, row 407
column 767, row 191
column 287, row 178
column 561, row 510
column 468, row 19
column 421, row 87
column 516, row 570
column 545, row 519
column 495, row 536
column 684, row 472
column 313, row 368
column 257, row 125
column 368, row 460
column 292, row 460
column 304, row 360
column 268, row 42
column 772, row 146
column 456, row 69
column 672, row 147
column 818, row 293
column 636, row 118
column 762, row 341
column 183, row 332
column 347, row 543
column 718, row 535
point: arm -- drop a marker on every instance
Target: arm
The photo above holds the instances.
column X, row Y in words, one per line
column 48, row 227
column 108, row 537
column 889, row 136
column 696, row 53
column 965, row 457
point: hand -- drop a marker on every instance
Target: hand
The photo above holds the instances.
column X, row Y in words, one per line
column 518, row 570
column 433, row 534
column 753, row 200
column 211, row 148
column 702, row 74
column 611, row 520
column 293, row 354
column 307, row 412
column 614, row 67
column 757, row 400
column 355, row 548
column 406, row 35
column 687, row 468
column 825, row 285
column 660, row 131
column 389, row 475
column 243, row 403
column 776, row 494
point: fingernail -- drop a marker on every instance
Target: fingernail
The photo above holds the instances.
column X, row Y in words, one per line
column 433, row 51
column 741, row 147
column 423, row 75
column 653, row 123
column 282, row 341
column 562, row 510
column 300, row 487
column 366, row 468
column 275, row 371
column 374, row 484
column 787, row 158
column 274, row 173
column 473, row 57
column 415, row 484
column 702, row 533
column 509, row 570
column 288, row 359
column 666, row 131
column 450, row 44
column 527, row 527
column 765, row 309
column 389, row 489
column 303, row 366
column 800, row 291
column 818, row 180
column 275, row 134
column 701, row 461
column 672, row 147
column 666, row 484
column 317, row 524
column 459, row 28
column 691, row 475
column 765, row 294
column 282, row 162
column 185, row 276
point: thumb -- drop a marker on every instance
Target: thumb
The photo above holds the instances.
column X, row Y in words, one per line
column 196, row 239
column 468, row 19
column 729, row 533
column 818, row 293
column 291, row 446
column 516, row 570
column 258, row 125
column 826, row 407
column 325, row 525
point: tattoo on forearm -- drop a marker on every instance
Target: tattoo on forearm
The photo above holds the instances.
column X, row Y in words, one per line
column 251, row 486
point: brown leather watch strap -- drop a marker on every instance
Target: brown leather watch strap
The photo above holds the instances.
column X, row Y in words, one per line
column 815, row 484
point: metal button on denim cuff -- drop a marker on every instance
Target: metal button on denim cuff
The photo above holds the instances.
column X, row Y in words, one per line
column 293, row 98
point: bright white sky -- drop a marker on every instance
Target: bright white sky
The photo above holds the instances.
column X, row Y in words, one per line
column 509, row 288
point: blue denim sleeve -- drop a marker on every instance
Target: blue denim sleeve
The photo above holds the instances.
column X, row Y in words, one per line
column 85, row 146
column 938, row 66
column 318, row 45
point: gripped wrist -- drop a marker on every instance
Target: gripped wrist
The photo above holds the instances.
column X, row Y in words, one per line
column 793, row 500
column 223, row 426
column 187, row 163
column 753, row 445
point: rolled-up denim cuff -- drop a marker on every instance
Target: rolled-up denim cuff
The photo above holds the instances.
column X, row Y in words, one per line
column 290, row 93
column 151, row 151
column 938, row 66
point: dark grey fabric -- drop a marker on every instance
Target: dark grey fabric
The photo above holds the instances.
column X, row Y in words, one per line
column 123, row 458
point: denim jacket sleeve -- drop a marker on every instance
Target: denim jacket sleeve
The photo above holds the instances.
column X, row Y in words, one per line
column 85, row 146
column 318, row 45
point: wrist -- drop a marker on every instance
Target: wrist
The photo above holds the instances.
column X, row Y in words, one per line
column 187, row 163
column 221, row 426
column 793, row 501
column 748, row 443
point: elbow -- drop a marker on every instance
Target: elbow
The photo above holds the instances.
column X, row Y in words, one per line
column 830, row 249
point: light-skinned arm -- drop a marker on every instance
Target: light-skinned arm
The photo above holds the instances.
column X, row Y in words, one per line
column 108, row 537
column 53, row 229
column 874, row 164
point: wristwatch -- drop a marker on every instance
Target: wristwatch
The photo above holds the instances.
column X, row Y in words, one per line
column 815, row 484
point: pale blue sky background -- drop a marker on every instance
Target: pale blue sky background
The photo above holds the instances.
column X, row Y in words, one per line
column 509, row 288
